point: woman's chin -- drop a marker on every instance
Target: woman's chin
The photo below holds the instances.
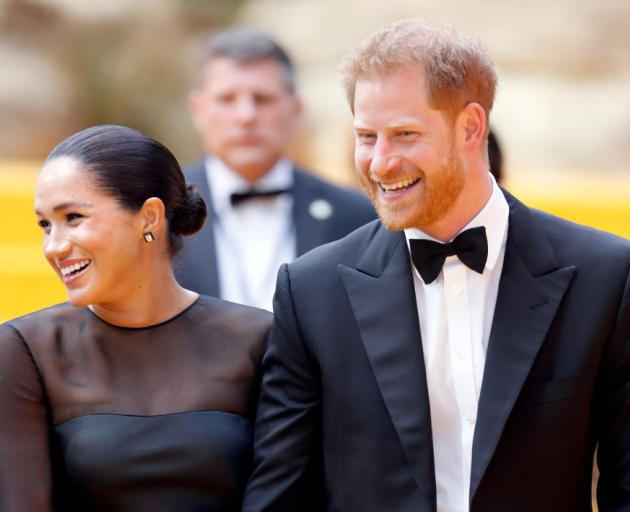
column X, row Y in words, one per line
column 78, row 300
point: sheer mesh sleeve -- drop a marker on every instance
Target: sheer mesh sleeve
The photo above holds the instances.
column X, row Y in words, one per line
column 25, row 469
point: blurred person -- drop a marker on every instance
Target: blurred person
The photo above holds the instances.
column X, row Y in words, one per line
column 495, row 157
column 463, row 353
column 137, row 394
column 263, row 210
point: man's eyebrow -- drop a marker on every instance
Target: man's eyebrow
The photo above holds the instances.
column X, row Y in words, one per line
column 404, row 122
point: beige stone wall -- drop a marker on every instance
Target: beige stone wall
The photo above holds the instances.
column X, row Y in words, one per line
column 69, row 64
column 564, row 72
column 563, row 102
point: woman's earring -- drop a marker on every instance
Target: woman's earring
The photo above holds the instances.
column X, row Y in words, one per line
column 148, row 236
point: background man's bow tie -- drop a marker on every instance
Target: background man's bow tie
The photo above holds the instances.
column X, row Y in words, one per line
column 239, row 197
column 470, row 246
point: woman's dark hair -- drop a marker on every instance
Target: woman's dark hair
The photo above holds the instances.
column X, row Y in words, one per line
column 132, row 167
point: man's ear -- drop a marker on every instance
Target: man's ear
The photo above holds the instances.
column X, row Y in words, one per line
column 298, row 106
column 152, row 217
column 471, row 126
column 297, row 111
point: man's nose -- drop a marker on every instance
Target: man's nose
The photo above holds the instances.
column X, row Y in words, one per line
column 56, row 244
column 246, row 109
column 383, row 158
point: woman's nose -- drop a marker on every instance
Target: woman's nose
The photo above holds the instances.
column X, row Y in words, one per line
column 57, row 245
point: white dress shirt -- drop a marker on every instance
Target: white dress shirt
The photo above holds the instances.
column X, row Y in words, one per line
column 455, row 313
column 253, row 238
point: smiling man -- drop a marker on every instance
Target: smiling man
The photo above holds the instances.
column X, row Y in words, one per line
column 463, row 353
column 263, row 209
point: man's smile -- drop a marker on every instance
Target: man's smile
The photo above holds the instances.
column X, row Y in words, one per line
column 398, row 185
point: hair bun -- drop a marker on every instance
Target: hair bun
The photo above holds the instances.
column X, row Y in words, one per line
column 190, row 216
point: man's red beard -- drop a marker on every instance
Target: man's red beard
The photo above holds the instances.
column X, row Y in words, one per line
column 428, row 202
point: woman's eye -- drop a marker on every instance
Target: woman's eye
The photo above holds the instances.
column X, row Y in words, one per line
column 70, row 217
column 44, row 224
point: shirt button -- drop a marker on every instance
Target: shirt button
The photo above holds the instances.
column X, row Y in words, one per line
column 461, row 357
column 470, row 419
column 456, row 290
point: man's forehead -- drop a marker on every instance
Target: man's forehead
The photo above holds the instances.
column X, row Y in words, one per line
column 217, row 67
column 401, row 96
column 264, row 73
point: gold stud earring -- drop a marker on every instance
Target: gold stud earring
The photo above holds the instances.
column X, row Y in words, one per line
column 148, row 236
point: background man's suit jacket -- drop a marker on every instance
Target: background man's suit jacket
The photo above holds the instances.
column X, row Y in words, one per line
column 344, row 414
column 196, row 267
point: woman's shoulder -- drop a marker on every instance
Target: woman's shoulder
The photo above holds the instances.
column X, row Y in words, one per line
column 42, row 324
column 220, row 318
column 55, row 314
column 24, row 339
column 231, row 314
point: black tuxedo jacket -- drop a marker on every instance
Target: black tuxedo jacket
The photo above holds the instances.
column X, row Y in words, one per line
column 196, row 267
column 344, row 422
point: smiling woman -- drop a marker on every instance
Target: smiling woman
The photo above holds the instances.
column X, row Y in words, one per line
column 88, row 237
column 101, row 194
column 137, row 394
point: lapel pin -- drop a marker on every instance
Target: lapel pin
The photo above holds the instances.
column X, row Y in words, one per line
column 320, row 209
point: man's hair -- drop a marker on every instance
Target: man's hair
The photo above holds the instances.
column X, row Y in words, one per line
column 457, row 69
column 245, row 44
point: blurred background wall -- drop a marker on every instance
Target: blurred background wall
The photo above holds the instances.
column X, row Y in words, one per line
column 562, row 113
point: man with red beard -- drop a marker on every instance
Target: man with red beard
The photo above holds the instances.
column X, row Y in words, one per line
column 464, row 352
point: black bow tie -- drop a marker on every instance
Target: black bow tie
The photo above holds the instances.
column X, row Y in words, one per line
column 470, row 246
column 239, row 197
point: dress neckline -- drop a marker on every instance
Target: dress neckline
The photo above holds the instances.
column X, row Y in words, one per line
column 144, row 327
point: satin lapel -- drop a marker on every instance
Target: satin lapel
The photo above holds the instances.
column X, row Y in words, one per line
column 198, row 264
column 530, row 290
column 310, row 232
column 383, row 301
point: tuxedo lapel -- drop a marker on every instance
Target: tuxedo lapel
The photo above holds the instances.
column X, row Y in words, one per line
column 383, row 301
column 530, row 290
column 311, row 223
column 199, row 261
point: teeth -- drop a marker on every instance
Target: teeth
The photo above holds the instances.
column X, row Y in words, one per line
column 73, row 268
column 399, row 185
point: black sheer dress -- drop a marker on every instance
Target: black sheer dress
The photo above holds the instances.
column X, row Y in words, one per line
column 95, row 417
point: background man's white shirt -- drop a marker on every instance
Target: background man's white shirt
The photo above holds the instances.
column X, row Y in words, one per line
column 253, row 238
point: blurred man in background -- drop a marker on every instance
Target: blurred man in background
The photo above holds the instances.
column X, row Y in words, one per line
column 263, row 210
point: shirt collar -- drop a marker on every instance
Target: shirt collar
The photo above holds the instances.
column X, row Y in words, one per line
column 494, row 216
column 224, row 181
